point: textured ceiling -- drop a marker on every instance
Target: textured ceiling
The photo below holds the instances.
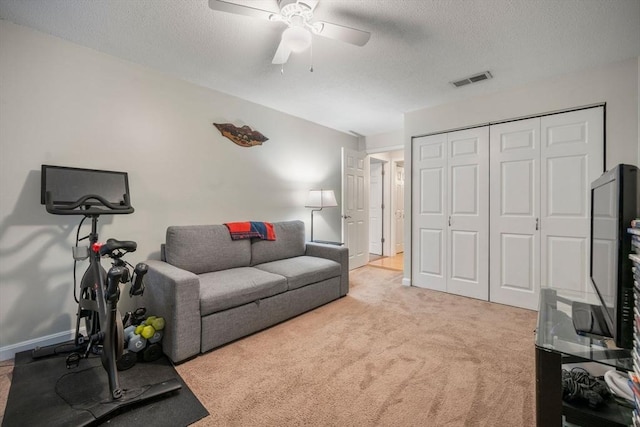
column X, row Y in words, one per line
column 416, row 48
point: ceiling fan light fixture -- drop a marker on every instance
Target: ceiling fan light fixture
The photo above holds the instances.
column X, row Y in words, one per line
column 296, row 38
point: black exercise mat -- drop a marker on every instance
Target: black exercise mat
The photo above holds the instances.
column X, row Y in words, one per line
column 45, row 393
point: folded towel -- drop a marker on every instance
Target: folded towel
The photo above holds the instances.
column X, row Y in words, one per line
column 251, row 230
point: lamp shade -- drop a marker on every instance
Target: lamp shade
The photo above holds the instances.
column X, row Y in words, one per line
column 321, row 199
column 296, row 39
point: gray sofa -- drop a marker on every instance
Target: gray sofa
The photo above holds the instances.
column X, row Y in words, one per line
column 212, row 290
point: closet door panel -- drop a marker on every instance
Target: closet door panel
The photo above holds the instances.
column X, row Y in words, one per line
column 572, row 157
column 429, row 196
column 468, row 213
column 515, row 211
column 464, row 265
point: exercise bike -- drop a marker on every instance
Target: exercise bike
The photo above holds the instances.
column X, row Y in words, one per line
column 97, row 305
column 99, row 288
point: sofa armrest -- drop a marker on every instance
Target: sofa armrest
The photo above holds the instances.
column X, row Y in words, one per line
column 174, row 294
column 335, row 253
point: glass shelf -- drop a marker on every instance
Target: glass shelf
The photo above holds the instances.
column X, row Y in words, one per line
column 556, row 332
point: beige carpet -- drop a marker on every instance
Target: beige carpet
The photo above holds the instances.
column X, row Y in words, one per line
column 384, row 355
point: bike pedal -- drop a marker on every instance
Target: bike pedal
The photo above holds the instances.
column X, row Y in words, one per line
column 73, row 360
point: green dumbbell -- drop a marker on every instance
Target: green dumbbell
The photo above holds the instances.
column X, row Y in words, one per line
column 158, row 323
column 148, row 331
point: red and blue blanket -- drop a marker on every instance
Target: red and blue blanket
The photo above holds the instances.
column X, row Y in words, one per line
column 251, row 230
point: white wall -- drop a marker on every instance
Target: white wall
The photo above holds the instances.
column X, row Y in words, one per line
column 387, row 141
column 64, row 104
column 616, row 84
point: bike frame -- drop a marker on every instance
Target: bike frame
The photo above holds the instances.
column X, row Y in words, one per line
column 103, row 294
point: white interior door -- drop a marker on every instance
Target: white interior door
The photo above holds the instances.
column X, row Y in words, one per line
column 429, row 212
column 355, row 217
column 515, row 213
column 399, row 209
column 375, row 208
column 572, row 157
column 468, row 213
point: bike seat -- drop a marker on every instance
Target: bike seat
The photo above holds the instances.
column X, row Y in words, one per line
column 114, row 245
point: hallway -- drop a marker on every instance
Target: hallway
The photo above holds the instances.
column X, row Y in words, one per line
column 390, row 263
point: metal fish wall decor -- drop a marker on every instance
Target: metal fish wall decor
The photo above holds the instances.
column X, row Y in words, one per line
column 244, row 136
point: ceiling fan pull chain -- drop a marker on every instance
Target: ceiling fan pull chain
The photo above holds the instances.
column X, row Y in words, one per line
column 282, row 69
column 311, row 55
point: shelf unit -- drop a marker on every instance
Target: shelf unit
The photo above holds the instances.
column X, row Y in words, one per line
column 634, row 230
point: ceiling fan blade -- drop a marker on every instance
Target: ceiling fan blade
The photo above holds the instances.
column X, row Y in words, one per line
column 225, row 6
column 311, row 3
column 282, row 54
column 345, row 34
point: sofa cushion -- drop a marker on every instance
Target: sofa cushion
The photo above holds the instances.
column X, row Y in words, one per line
column 221, row 290
column 289, row 243
column 303, row 270
column 205, row 248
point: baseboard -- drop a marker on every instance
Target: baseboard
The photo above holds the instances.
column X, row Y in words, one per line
column 9, row 351
column 406, row 281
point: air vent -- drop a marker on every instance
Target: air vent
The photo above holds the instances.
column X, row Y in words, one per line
column 472, row 79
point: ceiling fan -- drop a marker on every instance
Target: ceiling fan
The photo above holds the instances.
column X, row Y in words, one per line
column 298, row 17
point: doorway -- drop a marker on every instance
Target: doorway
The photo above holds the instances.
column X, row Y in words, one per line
column 376, row 208
column 386, row 209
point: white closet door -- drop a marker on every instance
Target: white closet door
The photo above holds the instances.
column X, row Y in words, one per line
column 429, row 216
column 468, row 213
column 515, row 213
column 572, row 157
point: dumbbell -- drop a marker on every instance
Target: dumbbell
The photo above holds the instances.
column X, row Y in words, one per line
column 152, row 353
column 151, row 334
column 157, row 322
column 134, row 341
column 128, row 331
column 126, row 361
column 129, row 357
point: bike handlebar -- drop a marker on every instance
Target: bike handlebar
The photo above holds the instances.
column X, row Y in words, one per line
column 107, row 207
column 137, row 285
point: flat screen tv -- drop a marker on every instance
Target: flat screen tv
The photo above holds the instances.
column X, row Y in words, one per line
column 614, row 203
column 74, row 191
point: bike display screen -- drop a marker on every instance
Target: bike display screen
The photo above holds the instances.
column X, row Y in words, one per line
column 67, row 185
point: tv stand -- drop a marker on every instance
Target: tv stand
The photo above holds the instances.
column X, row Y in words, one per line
column 557, row 343
column 589, row 319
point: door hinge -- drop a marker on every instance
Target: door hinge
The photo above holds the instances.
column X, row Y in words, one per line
column 382, row 240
